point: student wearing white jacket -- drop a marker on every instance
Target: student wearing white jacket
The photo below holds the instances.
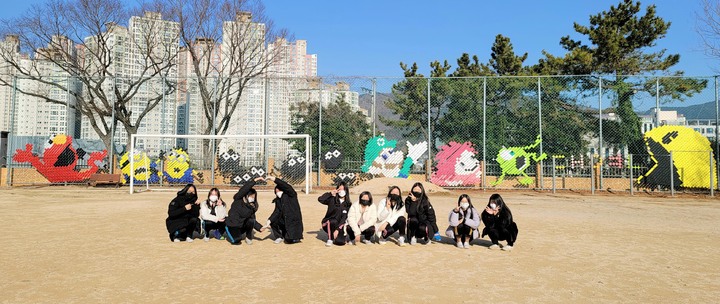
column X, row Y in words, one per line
column 213, row 212
column 391, row 217
column 464, row 221
column 362, row 218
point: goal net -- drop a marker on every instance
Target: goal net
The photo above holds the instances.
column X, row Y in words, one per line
column 162, row 161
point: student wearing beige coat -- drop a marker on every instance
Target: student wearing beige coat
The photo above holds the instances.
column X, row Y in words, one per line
column 362, row 218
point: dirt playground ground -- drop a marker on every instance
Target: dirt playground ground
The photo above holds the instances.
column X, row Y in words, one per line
column 69, row 245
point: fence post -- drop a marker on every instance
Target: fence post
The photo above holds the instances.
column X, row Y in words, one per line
column 712, row 182
column 11, row 136
column 672, row 176
column 553, row 174
column 632, row 183
column 484, row 168
column 592, row 175
column 429, row 152
column 717, row 125
column 319, row 153
column 112, row 130
column 540, row 171
column 600, row 142
column 374, row 100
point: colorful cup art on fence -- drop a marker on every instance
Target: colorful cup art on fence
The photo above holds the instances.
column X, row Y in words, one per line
column 59, row 159
column 145, row 170
column 382, row 158
column 515, row 160
column 691, row 158
column 456, row 166
column 177, row 167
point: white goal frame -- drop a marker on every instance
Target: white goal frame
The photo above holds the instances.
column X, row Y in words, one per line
column 308, row 144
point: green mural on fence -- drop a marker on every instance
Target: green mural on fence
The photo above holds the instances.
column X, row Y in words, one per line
column 515, row 160
column 382, row 158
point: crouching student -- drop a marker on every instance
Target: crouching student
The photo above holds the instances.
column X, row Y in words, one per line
column 391, row 217
column 333, row 223
column 362, row 218
column 212, row 214
column 241, row 220
column 422, row 223
column 286, row 219
column 464, row 221
column 183, row 214
column 499, row 224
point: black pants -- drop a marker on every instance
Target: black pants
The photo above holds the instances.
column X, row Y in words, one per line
column 209, row 225
column 367, row 233
column 278, row 229
column 399, row 227
column 235, row 233
column 186, row 231
column 463, row 232
column 331, row 226
column 508, row 234
column 418, row 229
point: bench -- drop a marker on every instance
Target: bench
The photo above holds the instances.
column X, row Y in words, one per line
column 105, row 179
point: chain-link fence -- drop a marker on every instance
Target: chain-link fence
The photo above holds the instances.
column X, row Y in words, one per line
column 590, row 133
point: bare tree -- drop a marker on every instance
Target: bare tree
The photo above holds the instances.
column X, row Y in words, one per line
column 226, row 47
column 116, row 74
column 709, row 27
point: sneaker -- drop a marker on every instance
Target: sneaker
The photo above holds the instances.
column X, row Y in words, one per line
column 459, row 244
column 413, row 241
column 494, row 246
column 189, row 240
column 176, row 240
column 248, row 241
column 379, row 233
column 507, row 248
column 206, row 239
column 329, row 243
column 278, row 240
column 381, row 241
column 217, row 234
column 401, row 241
column 466, row 245
column 367, row 242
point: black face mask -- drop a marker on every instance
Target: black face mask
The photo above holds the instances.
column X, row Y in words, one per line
column 365, row 202
column 418, row 195
column 190, row 197
column 394, row 198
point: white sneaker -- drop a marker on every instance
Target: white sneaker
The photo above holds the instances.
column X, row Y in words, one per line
column 413, row 241
column 176, row 240
column 206, row 239
column 378, row 234
column 368, row 242
column 466, row 245
column 507, row 248
column 189, row 240
column 494, row 246
column 401, row 241
column 381, row 241
column 329, row 243
column 248, row 241
column 459, row 244
column 278, row 240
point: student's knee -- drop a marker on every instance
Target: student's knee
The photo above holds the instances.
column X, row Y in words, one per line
column 401, row 220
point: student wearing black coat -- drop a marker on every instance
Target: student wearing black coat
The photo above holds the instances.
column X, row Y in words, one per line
column 286, row 220
column 241, row 218
column 421, row 222
column 338, row 203
column 499, row 223
column 183, row 213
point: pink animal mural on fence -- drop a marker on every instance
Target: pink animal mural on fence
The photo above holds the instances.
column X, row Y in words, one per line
column 457, row 166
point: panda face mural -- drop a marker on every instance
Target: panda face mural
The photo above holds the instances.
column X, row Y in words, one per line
column 293, row 169
column 333, row 159
column 248, row 175
column 349, row 178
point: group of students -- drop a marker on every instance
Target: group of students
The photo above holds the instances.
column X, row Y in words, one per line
column 412, row 218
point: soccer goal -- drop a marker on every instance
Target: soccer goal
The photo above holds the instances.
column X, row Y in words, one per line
column 166, row 161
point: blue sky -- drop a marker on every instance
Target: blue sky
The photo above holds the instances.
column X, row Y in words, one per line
column 370, row 38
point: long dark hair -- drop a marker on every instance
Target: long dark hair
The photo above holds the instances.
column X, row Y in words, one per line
column 467, row 197
column 207, row 201
column 504, row 213
column 423, row 199
column 399, row 203
column 347, row 201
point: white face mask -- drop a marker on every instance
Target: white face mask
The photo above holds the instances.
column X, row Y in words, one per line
column 251, row 199
column 342, row 193
column 213, row 198
column 493, row 206
column 464, row 205
column 279, row 194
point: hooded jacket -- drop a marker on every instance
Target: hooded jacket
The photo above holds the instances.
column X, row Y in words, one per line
column 240, row 210
column 178, row 216
column 287, row 211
